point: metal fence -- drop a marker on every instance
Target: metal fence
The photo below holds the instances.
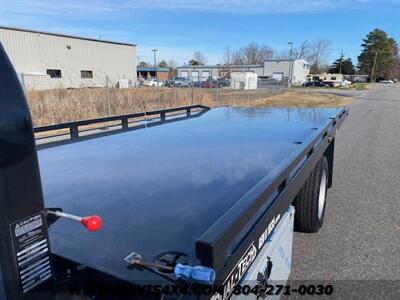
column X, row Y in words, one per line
column 269, row 83
column 65, row 104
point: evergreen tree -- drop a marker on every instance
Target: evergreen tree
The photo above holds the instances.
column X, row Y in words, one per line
column 377, row 44
column 163, row 64
column 343, row 66
column 193, row 62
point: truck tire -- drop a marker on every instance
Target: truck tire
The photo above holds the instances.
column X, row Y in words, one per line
column 310, row 201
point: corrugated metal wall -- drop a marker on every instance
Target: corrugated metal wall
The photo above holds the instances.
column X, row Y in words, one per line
column 34, row 53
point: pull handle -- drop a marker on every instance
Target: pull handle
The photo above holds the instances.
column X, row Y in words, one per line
column 91, row 223
column 198, row 274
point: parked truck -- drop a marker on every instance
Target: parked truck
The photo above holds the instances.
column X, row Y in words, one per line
column 183, row 203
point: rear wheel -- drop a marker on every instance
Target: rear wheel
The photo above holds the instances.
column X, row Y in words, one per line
column 310, row 202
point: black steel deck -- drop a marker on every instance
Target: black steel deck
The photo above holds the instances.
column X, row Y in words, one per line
column 162, row 188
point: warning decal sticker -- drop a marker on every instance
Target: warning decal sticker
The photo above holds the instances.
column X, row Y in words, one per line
column 31, row 249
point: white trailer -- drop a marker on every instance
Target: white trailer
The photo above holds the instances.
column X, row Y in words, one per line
column 244, row 80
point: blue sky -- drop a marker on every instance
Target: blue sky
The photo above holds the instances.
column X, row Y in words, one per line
column 178, row 27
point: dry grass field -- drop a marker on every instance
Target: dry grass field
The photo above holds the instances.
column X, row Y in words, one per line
column 63, row 105
column 301, row 99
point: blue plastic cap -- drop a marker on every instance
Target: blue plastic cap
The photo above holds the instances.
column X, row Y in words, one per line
column 200, row 274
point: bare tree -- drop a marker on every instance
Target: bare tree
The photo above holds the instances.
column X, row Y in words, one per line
column 300, row 52
column 250, row 53
column 254, row 54
column 319, row 51
column 227, row 56
column 237, row 58
column 227, row 61
column 199, row 57
column 264, row 53
column 303, row 50
column 172, row 63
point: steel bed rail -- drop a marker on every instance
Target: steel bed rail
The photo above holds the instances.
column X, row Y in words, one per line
column 125, row 120
column 223, row 245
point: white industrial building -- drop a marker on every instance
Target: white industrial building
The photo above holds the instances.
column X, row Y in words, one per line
column 45, row 60
column 279, row 70
column 297, row 70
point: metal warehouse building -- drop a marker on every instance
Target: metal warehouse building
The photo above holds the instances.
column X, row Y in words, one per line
column 45, row 60
column 203, row 72
column 297, row 69
column 279, row 70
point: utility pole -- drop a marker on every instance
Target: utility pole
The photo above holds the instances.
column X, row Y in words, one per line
column 290, row 64
column 341, row 60
column 155, row 58
column 373, row 66
column 157, row 83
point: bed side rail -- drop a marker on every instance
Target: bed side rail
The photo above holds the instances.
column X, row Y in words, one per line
column 124, row 120
column 241, row 232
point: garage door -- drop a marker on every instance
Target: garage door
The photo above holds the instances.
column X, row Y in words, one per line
column 195, row 75
column 277, row 76
column 185, row 74
column 205, row 75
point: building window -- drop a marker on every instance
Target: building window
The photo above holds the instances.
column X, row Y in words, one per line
column 333, row 78
column 54, row 73
column 86, row 74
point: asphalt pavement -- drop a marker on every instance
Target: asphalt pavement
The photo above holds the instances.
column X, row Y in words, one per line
column 360, row 238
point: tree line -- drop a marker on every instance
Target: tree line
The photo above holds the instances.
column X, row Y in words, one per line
column 379, row 58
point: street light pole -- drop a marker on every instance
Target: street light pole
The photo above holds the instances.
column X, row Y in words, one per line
column 373, row 66
column 155, row 59
column 290, row 63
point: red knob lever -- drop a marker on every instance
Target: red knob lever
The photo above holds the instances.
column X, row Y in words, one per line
column 92, row 223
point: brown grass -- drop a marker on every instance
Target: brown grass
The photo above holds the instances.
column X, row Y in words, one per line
column 63, row 105
column 299, row 99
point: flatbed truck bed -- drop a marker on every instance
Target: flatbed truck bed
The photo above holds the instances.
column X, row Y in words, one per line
column 208, row 185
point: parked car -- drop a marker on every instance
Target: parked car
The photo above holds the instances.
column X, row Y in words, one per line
column 387, row 81
column 345, row 82
column 153, row 82
column 223, row 82
column 179, row 82
column 139, row 82
column 209, row 84
column 197, row 84
column 329, row 84
column 316, row 84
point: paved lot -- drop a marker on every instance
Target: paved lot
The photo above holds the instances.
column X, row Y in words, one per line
column 360, row 239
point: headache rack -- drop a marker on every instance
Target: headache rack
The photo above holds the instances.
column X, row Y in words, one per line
column 224, row 244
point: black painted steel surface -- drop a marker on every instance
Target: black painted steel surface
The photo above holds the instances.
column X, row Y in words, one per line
column 21, row 199
column 161, row 188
